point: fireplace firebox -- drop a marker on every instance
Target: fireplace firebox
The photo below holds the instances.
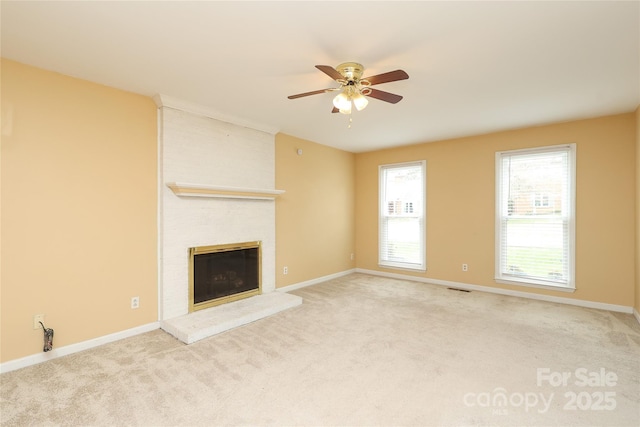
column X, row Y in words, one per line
column 223, row 273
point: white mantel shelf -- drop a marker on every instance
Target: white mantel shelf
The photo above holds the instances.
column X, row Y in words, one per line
column 183, row 189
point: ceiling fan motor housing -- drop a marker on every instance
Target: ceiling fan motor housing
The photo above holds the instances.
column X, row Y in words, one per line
column 351, row 71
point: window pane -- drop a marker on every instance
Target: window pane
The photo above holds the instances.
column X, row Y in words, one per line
column 403, row 240
column 535, row 248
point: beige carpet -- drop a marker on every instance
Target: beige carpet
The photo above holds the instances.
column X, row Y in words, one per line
column 360, row 351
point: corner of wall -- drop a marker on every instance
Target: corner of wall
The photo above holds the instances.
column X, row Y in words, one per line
column 637, row 257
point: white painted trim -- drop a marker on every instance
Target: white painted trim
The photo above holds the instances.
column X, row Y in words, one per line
column 488, row 289
column 636, row 315
column 315, row 281
column 534, row 284
column 202, row 190
column 159, row 209
column 201, row 110
column 35, row 359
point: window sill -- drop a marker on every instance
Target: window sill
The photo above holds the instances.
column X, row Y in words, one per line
column 534, row 284
column 403, row 268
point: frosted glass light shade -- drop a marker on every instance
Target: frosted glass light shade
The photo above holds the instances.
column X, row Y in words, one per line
column 360, row 101
column 342, row 102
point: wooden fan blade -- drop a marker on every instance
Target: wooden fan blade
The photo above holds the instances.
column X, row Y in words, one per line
column 315, row 92
column 391, row 76
column 335, row 110
column 384, row 96
column 330, row 71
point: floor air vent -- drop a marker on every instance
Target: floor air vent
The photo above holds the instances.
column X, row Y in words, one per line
column 459, row 290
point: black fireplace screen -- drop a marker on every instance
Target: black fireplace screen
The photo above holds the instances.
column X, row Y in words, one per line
column 224, row 273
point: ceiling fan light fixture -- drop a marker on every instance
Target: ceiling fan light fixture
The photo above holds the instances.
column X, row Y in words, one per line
column 342, row 101
column 360, row 101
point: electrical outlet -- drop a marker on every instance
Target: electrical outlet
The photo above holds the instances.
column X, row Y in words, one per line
column 37, row 318
column 353, row 257
column 285, row 270
column 135, row 302
column 465, row 267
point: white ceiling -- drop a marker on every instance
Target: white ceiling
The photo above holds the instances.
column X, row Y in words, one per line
column 474, row 67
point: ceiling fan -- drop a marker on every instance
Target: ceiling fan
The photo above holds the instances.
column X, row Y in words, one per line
column 354, row 88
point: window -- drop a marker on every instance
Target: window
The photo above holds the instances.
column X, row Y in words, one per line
column 541, row 200
column 402, row 216
column 535, row 217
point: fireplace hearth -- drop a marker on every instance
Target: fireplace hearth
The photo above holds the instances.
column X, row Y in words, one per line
column 223, row 273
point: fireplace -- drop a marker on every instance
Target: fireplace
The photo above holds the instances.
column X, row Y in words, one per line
column 223, row 273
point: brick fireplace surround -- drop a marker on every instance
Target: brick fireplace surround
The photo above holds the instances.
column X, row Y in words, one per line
column 216, row 186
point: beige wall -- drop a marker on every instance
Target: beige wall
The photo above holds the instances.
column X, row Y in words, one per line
column 315, row 234
column 78, row 209
column 460, row 205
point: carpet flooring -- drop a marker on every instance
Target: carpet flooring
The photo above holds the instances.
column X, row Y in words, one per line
column 360, row 351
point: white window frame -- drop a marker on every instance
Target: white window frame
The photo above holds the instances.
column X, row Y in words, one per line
column 383, row 210
column 570, row 221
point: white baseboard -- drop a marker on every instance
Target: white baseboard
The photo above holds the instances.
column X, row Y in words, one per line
column 315, row 281
column 35, row 359
column 470, row 287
